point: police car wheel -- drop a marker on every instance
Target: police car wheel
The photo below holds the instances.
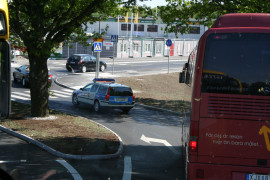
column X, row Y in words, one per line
column 83, row 69
column 102, row 68
column 96, row 106
column 75, row 100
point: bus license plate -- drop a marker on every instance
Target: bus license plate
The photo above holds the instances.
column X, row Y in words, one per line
column 121, row 99
column 257, row 177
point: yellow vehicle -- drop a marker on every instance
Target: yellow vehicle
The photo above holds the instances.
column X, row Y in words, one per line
column 4, row 61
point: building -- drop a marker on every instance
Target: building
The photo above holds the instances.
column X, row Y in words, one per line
column 145, row 38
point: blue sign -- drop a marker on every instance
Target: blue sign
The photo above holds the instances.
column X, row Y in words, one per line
column 169, row 42
column 97, row 46
column 114, row 38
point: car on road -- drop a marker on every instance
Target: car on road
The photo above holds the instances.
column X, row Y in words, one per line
column 104, row 93
column 21, row 75
column 84, row 63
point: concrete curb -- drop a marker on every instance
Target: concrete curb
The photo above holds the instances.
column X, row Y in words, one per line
column 63, row 155
column 136, row 104
column 159, row 109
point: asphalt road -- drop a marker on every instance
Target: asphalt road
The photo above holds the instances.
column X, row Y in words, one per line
column 152, row 139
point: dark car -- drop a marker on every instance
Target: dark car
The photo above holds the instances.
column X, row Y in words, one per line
column 83, row 63
column 21, row 75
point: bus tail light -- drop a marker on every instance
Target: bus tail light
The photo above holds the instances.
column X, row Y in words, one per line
column 193, row 146
column 199, row 174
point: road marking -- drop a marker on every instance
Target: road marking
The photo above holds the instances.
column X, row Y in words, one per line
column 72, row 171
column 162, row 141
column 61, row 92
column 67, row 90
column 127, row 168
column 145, row 61
column 19, row 97
column 21, row 94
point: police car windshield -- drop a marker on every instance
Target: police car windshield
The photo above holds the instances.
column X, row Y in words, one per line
column 120, row 91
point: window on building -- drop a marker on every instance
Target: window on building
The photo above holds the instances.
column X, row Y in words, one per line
column 158, row 48
column 136, row 47
column 123, row 47
column 139, row 27
column 147, row 47
column 124, row 27
column 152, row 28
column 194, row 30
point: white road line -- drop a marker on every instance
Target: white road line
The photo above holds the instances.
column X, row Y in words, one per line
column 146, row 61
column 21, row 94
column 67, row 90
column 60, row 95
column 61, row 92
column 19, row 97
column 72, row 171
column 162, row 141
column 127, row 168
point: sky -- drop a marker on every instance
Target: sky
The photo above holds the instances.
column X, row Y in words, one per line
column 152, row 3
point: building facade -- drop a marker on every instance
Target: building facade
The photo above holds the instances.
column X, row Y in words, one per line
column 146, row 38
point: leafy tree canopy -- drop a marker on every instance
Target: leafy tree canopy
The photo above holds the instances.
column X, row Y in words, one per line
column 43, row 24
column 186, row 12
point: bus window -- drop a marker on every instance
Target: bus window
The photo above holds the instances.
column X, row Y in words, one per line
column 188, row 69
column 241, row 70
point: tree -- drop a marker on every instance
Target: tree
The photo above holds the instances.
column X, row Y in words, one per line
column 179, row 14
column 42, row 25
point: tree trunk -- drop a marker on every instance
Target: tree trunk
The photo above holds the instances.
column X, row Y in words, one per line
column 39, row 84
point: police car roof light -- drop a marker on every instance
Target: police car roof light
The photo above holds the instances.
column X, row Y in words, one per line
column 103, row 80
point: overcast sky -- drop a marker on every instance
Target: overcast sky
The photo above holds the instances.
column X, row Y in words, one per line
column 152, row 3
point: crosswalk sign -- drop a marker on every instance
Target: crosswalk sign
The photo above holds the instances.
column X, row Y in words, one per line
column 97, row 46
column 114, row 38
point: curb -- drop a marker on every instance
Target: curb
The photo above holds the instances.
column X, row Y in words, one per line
column 159, row 109
column 63, row 155
column 136, row 104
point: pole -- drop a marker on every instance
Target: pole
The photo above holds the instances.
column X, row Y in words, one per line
column 113, row 58
column 98, row 55
column 68, row 50
column 130, row 43
column 169, row 60
column 97, row 65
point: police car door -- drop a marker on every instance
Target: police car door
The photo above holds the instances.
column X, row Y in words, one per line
column 83, row 94
column 92, row 94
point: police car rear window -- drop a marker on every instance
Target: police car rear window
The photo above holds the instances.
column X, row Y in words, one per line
column 120, row 91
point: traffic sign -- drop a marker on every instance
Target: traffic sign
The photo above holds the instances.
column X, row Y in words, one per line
column 114, row 38
column 169, row 42
column 97, row 47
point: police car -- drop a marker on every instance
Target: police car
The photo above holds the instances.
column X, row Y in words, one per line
column 105, row 93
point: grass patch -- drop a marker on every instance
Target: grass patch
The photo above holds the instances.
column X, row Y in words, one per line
column 67, row 134
column 161, row 90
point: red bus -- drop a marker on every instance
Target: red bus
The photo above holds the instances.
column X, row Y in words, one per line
column 229, row 72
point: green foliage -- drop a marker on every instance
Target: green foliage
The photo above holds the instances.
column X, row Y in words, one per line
column 42, row 25
column 181, row 13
